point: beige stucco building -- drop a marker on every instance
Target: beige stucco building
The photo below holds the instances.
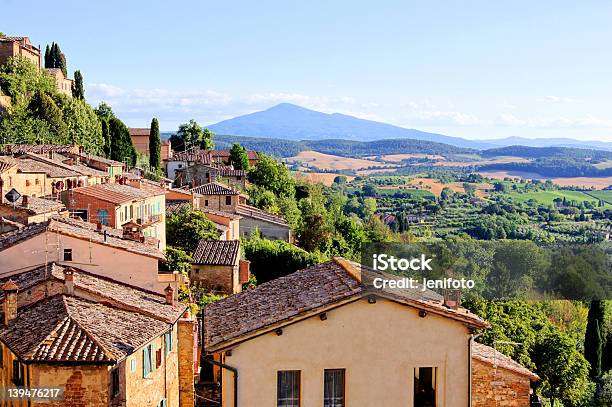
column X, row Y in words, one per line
column 320, row 329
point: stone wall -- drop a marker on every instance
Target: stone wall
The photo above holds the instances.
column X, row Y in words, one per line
column 498, row 387
column 187, row 360
column 84, row 386
column 223, row 279
column 268, row 230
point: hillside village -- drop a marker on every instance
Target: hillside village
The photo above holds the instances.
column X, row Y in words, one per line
column 168, row 275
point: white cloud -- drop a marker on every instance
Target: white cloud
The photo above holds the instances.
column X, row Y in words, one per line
column 558, row 99
column 587, row 122
column 441, row 117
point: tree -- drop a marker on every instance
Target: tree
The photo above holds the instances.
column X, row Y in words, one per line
column 272, row 259
column 564, row 370
column 594, row 337
column 178, row 260
column 121, row 146
column 78, row 89
column 185, row 228
column 273, row 176
column 44, row 108
column 84, row 127
column 206, row 142
column 187, row 136
column 155, row 145
column 239, row 157
column 48, row 61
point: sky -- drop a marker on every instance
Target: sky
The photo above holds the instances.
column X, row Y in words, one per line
column 473, row 69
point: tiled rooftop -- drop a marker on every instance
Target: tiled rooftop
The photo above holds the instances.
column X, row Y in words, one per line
column 116, row 193
column 40, row 148
column 140, row 131
column 80, row 229
column 283, row 299
column 494, row 357
column 214, row 188
column 53, row 171
column 36, row 206
column 253, row 212
column 217, row 252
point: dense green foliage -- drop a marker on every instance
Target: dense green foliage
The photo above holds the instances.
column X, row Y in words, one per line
column 154, row 145
column 553, row 167
column 121, row 145
column 595, row 338
column 185, row 228
column 191, row 135
column 345, row 148
column 542, row 152
column 40, row 114
column 272, row 259
column 239, row 157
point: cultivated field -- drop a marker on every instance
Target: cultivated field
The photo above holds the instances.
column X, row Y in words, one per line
column 332, row 162
column 548, row 197
column 324, row 178
column 584, row 182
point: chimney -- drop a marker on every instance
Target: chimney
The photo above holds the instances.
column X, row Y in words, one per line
column 10, row 301
column 25, row 201
column 169, row 295
column 51, row 154
column 244, row 271
column 452, row 298
column 69, row 281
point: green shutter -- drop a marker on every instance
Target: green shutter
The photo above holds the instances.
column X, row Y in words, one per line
column 145, row 361
column 133, row 365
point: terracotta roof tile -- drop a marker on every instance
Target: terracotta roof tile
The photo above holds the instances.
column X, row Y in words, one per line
column 36, row 206
column 217, row 252
column 116, row 193
column 256, row 213
column 214, row 188
column 494, row 357
column 80, row 229
column 40, row 148
column 140, row 131
column 35, row 166
column 283, row 299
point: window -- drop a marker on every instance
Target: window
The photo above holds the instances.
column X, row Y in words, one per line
column 158, row 358
column 18, row 373
column 131, row 211
column 147, row 360
column 169, row 342
column 425, row 387
column 288, row 388
column 133, row 365
column 67, row 254
column 125, row 213
column 102, row 216
column 114, row 383
column 206, row 202
column 228, row 200
column 333, row 390
column 163, row 403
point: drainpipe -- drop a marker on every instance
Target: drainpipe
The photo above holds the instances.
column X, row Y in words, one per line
column 472, row 337
column 231, row 369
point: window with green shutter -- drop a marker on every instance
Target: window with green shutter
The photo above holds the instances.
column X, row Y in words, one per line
column 133, row 365
column 147, row 360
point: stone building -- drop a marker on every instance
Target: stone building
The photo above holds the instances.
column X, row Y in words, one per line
column 200, row 174
column 62, row 84
column 218, row 197
column 18, row 46
column 105, row 343
column 27, row 210
column 216, row 266
column 499, row 380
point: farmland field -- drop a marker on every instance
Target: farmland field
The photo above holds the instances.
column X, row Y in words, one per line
column 332, row 162
column 548, row 197
column 585, row 182
column 324, row 178
column 605, row 196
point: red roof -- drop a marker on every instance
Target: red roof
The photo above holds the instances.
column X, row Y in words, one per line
column 139, row 131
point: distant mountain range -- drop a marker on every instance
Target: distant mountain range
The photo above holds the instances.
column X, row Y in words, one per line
column 292, row 122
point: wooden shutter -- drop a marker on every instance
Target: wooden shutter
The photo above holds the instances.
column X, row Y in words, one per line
column 158, row 358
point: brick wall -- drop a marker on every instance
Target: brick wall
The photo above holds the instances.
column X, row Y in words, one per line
column 85, row 386
column 498, row 387
column 81, row 201
column 224, row 279
column 187, row 360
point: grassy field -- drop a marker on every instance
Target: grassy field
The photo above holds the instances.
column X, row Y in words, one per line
column 548, row 197
column 333, row 162
column 413, row 192
column 605, row 196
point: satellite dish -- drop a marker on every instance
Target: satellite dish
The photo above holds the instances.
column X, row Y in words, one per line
column 12, row 196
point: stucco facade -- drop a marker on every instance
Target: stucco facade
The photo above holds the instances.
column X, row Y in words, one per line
column 379, row 345
column 127, row 267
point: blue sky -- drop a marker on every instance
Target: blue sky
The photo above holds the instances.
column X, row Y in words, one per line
column 475, row 69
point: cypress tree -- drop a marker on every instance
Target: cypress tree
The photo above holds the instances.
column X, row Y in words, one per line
column 54, row 56
column 155, row 145
column 48, row 61
column 121, row 146
column 78, row 90
column 594, row 337
column 106, row 137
